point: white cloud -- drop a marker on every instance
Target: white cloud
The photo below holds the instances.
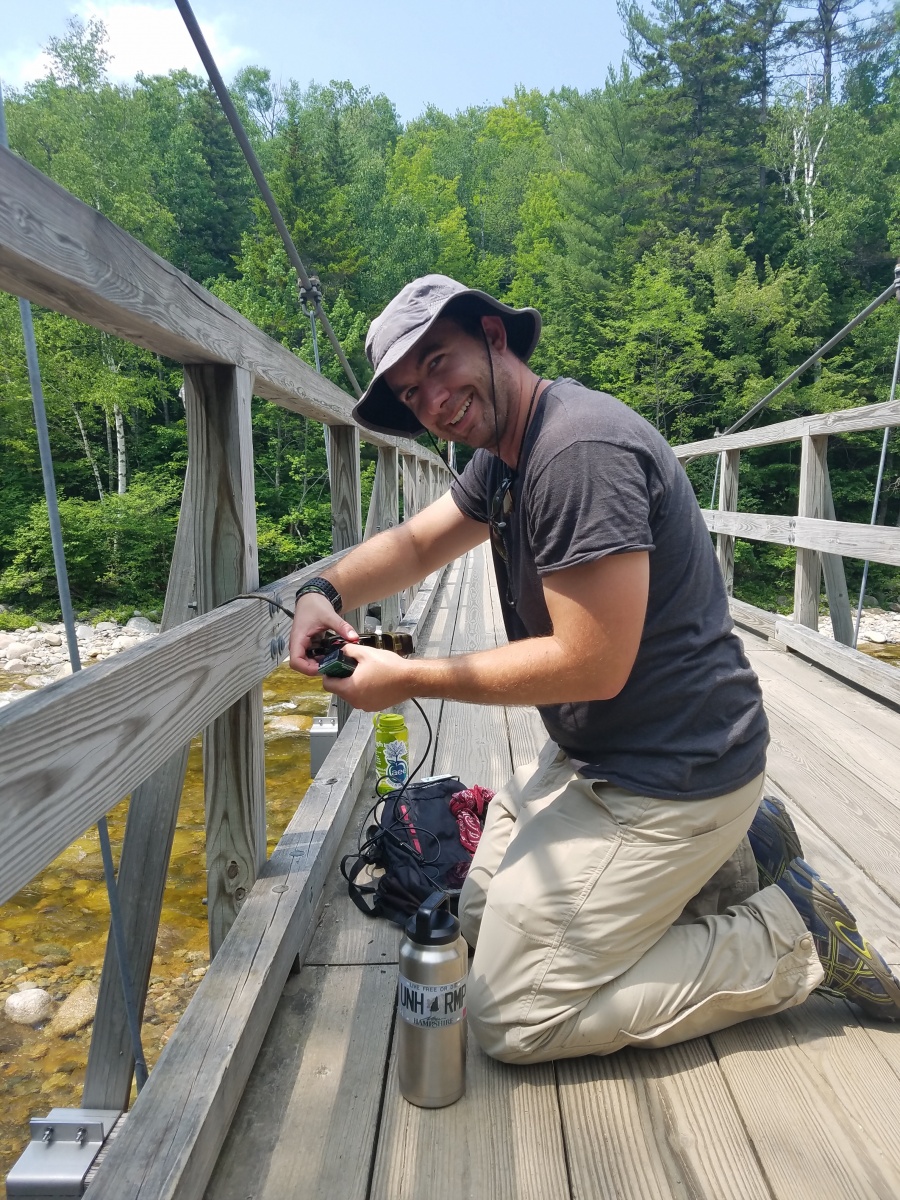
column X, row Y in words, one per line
column 145, row 37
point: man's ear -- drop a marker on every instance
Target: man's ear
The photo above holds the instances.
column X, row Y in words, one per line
column 495, row 332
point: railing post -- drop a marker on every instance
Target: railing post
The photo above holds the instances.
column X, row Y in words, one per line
column 141, row 878
column 384, row 513
column 346, row 510
column 220, row 449
column 808, row 576
column 729, row 465
column 836, row 581
column 412, row 503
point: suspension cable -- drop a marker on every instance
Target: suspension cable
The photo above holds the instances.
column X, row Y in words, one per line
column 313, row 293
column 877, row 498
column 68, row 615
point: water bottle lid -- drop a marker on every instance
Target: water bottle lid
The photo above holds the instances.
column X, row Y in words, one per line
column 433, row 924
column 389, row 722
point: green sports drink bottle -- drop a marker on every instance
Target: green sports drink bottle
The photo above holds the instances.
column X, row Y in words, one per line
column 391, row 752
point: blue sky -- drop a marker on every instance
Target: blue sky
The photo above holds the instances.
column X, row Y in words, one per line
column 454, row 54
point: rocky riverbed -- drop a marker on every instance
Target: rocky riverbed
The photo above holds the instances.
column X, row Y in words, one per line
column 39, row 654
column 53, row 933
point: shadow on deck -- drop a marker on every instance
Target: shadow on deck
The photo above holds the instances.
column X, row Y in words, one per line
column 801, row 1106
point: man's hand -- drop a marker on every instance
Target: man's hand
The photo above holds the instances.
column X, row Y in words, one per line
column 313, row 614
column 381, row 679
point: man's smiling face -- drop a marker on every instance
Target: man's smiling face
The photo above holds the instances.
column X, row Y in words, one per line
column 445, row 379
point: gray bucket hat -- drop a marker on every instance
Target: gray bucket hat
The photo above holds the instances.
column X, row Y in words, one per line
column 406, row 319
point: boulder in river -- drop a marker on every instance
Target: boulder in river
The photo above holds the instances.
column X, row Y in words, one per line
column 29, row 1006
column 76, row 1011
column 141, row 626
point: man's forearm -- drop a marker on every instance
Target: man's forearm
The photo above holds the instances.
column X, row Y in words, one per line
column 534, row 671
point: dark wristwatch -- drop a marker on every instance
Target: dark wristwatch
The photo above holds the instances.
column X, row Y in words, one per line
column 324, row 588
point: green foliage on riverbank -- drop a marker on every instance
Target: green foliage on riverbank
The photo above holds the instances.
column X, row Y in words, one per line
column 690, row 230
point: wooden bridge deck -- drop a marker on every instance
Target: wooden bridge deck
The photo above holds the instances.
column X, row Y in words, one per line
column 802, row 1106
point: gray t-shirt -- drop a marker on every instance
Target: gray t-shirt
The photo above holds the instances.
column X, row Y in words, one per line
column 594, row 479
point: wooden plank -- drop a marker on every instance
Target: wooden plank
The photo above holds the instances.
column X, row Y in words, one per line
column 306, row 1123
column 818, row 1101
column 170, row 1143
column 223, row 505
column 808, row 573
column 344, row 936
column 848, row 702
column 748, row 616
column 63, row 762
column 63, row 254
column 478, row 747
column 878, row 543
column 836, row 580
column 847, row 420
column 881, row 679
column 141, row 877
column 729, row 461
column 653, row 1125
column 502, row 1140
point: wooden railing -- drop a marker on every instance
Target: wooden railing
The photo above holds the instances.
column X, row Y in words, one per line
column 70, row 752
column 821, row 541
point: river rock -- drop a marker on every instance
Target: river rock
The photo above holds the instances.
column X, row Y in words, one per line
column 28, row 1007
column 76, row 1011
column 53, row 639
column 18, row 649
column 5, row 639
column 15, row 666
column 36, row 681
column 107, row 626
column 141, row 626
column 50, row 954
column 878, row 638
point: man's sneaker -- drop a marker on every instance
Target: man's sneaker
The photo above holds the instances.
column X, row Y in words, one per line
column 853, row 968
column 774, row 840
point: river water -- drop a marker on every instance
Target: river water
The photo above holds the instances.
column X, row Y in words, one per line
column 53, row 933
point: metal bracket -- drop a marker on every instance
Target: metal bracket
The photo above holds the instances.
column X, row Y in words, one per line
column 62, row 1149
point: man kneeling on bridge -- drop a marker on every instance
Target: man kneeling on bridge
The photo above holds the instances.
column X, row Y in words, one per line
column 614, row 898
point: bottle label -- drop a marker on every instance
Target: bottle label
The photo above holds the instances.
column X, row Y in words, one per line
column 431, row 1006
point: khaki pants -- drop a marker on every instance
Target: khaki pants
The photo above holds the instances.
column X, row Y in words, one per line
column 573, row 903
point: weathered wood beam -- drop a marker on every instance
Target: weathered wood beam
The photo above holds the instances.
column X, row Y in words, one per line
column 223, row 504
column 728, row 493
column 63, row 254
column 836, row 581
column 64, row 763
column 413, row 502
column 748, row 616
column 384, row 513
column 808, row 572
column 169, row 1145
column 878, row 543
column 847, row 420
column 881, row 679
column 141, row 878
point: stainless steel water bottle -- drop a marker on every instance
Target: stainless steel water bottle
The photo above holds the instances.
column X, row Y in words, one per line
column 431, row 999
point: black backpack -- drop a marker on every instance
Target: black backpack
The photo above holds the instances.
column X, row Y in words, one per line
column 416, row 843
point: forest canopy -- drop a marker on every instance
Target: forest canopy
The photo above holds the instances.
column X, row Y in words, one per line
column 690, row 230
